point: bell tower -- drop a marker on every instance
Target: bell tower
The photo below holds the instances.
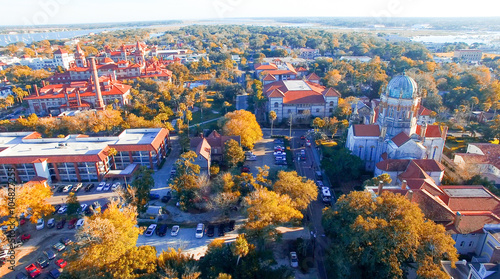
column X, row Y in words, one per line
column 80, row 60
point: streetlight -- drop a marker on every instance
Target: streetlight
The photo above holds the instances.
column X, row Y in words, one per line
column 290, row 122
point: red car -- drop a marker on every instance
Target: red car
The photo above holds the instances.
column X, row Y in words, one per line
column 61, row 263
column 32, row 270
column 25, row 237
column 22, row 222
column 245, row 169
column 71, row 224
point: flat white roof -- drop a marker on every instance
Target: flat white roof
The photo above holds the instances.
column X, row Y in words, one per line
column 296, row 85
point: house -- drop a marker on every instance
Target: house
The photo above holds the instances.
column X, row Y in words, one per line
column 276, row 71
column 309, row 53
column 481, row 158
column 203, row 158
column 473, row 270
column 215, row 143
column 300, row 98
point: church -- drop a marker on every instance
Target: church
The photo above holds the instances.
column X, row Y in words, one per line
column 394, row 130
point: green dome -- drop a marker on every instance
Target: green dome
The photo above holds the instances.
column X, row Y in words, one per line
column 401, row 86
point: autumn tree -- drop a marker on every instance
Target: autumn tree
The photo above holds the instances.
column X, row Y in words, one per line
column 176, row 264
column 138, row 262
column 185, row 164
column 30, row 199
column 379, row 237
column 105, row 238
column 244, row 124
column 272, row 117
column 240, row 247
column 233, row 153
column 385, row 178
column 300, row 190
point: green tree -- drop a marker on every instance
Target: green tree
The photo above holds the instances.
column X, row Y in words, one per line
column 72, row 203
column 233, row 153
column 340, row 165
column 141, row 188
column 379, row 237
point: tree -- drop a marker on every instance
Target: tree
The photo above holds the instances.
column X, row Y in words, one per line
column 340, row 165
column 300, row 190
column 175, row 264
column 385, row 178
column 141, row 188
column 318, row 123
column 240, row 247
column 244, row 124
column 138, row 262
column 72, row 203
column 185, row 163
column 272, row 116
column 30, row 199
column 378, row 237
column 105, row 238
column 233, row 153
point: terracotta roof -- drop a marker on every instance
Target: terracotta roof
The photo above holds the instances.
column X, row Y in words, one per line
column 330, row 92
column 269, row 77
column 301, row 69
column 108, row 60
column 276, row 93
column 423, row 111
column 303, row 97
column 433, row 131
column 60, row 51
column 393, row 165
column 262, row 67
column 298, row 91
column 414, row 171
column 429, row 165
column 312, row 76
column 400, row 139
column 366, row 130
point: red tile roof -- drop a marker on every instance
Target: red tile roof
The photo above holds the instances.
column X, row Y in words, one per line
column 330, row 92
column 303, row 97
column 263, row 67
column 400, row 139
column 312, row 76
column 423, row 111
column 366, row 130
column 269, row 77
column 433, row 131
column 60, row 51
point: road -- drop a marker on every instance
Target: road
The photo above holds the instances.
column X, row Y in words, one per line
column 241, row 102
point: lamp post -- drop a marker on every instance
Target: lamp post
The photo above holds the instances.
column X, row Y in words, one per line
column 290, row 121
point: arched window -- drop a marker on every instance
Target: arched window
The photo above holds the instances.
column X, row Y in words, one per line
column 470, row 243
column 276, row 104
column 331, row 103
column 462, row 243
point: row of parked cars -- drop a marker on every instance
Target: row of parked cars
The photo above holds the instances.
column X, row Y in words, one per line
column 162, row 230
column 279, row 152
column 35, row 269
column 201, row 229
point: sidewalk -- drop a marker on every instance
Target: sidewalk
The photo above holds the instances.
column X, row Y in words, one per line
column 162, row 175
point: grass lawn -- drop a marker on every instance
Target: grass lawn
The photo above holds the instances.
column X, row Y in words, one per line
column 208, row 114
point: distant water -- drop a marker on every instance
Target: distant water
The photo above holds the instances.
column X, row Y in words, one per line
column 28, row 38
column 469, row 38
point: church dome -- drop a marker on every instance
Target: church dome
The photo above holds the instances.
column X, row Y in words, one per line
column 402, row 86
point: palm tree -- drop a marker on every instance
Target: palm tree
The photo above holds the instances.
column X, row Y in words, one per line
column 240, row 247
column 272, row 116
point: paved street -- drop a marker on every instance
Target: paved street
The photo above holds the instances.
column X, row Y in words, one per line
column 241, row 102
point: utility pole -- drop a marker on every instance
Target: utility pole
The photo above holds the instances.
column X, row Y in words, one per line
column 290, row 121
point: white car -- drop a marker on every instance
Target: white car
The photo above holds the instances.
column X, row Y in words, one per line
column 63, row 209
column 319, row 183
column 107, row 187
column 79, row 223
column 83, row 206
column 67, row 188
column 199, row 230
column 115, row 186
column 279, row 153
column 100, row 186
column 151, row 230
column 175, row 230
column 251, row 158
column 294, row 261
column 51, row 223
column 40, row 224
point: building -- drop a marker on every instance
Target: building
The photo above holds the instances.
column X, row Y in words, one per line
column 61, row 59
column 469, row 55
column 309, row 53
column 93, row 93
column 394, row 132
column 363, row 59
column 78, row 157
column 300, row 98
column 276, row 71
column 215, row 144
column 481, row 158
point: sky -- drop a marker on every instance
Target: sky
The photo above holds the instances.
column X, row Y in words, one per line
column 41, row 12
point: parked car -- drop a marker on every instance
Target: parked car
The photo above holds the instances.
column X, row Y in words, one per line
column 56, row 208
column 40, row 224
column 279, row 153
column 60, row 189
column 61, row 263
column 77, row 187
column 308, row 143
column 49, row 254
column 66, row 241
column 245, row 169
column 210, row 230
column 251, row 158
column 79, row 223
column 55, row 273
column 16, row 243
column 319, row 183
column 51, row 223
column 175, row 230
column 162, row 230
column 115, row 186
column 62, row 209
column 61, row 224
column 89, row 187
column 280, row 162
column 302, row 137
column 199, row 230
column 100, row 186
column 167, row 197
column 83, row 206
column 67, row 188
column 32, row 270
column 280, row 158
column 72, row 223
column 150, row 231
column 59, row 246
column 154, row 196
column 25, row 237
column 230, row 225
column 42, row 262
column 107, row 187
column 294, row 261
column 221, row 229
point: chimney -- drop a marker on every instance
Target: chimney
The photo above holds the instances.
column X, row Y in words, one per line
column 78, row 99
column 403, row 185
column 97, row 85
column 380, row 186
column 113, row 75
column 43, row 83
column 66, row 97
column 458, row 218
column 423, row 130
column 410, row 195
column 35, row 88
column 445, row 131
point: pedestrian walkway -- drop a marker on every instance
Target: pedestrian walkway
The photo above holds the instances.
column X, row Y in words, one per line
column 162, row 175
